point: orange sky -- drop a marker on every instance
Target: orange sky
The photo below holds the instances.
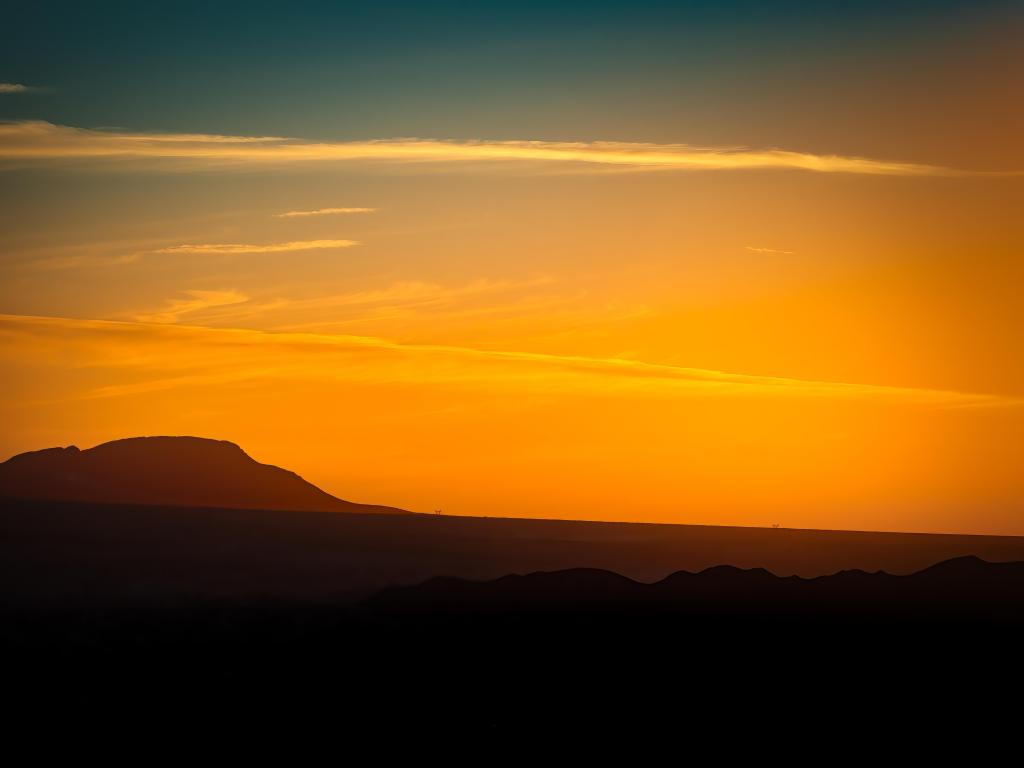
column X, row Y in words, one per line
column 644, row 329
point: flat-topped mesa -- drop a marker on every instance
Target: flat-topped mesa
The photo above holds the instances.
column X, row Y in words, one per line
column 166, row 471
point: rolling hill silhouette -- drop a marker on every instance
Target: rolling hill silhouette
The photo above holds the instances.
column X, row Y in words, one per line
column 561, row 649
column 171, row 471
column 953, row 590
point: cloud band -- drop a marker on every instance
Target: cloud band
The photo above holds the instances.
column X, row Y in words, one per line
column 35, row 141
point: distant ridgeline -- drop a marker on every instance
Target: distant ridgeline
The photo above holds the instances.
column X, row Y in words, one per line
column 965, row 588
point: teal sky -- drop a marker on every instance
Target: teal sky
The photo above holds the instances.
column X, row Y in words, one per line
column 828, row 76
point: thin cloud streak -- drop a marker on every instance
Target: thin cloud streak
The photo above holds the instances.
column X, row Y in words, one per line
column 414, row 292
column 35, row 141
column 96, row 260
column 14, row 88
column 767, row 250
column 323, row 212
column 401, row 299
column 82, row 261
column 175, row 355
column 197, row 301
column 240, row 248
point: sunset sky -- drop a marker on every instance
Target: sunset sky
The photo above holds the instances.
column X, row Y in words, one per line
column 734, row 263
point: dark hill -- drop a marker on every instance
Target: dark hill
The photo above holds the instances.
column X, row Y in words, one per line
column 172, row 471
column 957, row 589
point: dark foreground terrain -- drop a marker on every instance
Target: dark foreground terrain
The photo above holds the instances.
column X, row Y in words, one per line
column 727, row 656
column 61, row 551
column 415, row 629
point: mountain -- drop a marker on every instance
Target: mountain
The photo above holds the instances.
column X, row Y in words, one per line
column 166, row 471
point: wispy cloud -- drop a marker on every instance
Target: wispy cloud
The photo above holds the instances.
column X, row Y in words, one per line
column 14, row 88
column 153, row 357
column 756, row 249
column 322, row 212
column 98, row 255
column 238, row 248
column 406, row 293
column 196, row 301
column 402, row 299
column 33, row 141
column 82, row 260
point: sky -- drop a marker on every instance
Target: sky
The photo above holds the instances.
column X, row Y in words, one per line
column 741, row 263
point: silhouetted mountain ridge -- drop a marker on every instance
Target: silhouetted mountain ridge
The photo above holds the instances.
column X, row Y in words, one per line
column 171, row 471
column 954, row 588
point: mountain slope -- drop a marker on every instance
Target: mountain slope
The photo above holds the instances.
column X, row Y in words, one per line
column 171, row 471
